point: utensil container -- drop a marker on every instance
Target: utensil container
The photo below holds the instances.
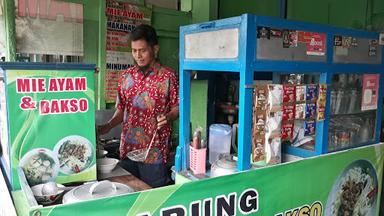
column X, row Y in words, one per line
column 197, row 159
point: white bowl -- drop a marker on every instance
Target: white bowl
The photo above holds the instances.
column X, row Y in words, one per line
column 106, row 165
column 101, row 153
column 46, row 199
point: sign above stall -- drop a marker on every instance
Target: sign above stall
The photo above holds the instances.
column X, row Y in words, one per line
column 122, row 18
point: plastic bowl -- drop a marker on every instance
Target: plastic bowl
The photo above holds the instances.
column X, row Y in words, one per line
column 46, row 199
column 101, row 153
column 106, row 165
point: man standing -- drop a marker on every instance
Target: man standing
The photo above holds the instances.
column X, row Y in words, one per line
column 146, row 104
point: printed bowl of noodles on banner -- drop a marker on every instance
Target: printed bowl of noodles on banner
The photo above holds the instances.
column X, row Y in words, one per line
column 75, row 154
column 354, row 191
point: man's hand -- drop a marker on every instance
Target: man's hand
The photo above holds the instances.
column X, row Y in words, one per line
column 103, row 129
column 161, row 120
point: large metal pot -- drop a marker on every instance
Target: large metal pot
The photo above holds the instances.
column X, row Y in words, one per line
column 225, row 165
column 96, row 190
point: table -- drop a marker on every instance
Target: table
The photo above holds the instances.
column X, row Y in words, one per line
column 122, row 176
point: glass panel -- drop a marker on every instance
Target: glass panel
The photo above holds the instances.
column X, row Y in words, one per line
column 348, row 49
column 2, row 32
column 49, row 31
column 353, row 110
column 290, row 45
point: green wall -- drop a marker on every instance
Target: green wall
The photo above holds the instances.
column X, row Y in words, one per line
column 358, row 14
column 230, row 8
column 378, row 15
column 342, row 13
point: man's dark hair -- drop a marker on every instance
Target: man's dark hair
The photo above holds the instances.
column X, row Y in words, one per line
column 144, row 32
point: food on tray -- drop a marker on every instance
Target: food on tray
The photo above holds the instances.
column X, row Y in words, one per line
column 39, row 166
column 75, row 154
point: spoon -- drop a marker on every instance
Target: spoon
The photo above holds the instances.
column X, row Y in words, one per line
column 50, row 188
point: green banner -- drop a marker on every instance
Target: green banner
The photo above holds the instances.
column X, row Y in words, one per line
column 343, row 183
column 51, row 125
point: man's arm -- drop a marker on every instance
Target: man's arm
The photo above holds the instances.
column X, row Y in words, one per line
column 116, row 119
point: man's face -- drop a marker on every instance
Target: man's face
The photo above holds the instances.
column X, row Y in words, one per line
column 143, row 53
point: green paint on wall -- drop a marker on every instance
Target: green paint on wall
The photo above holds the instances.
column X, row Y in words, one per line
column 378, row 22
column 230, row 8
column 353, row 16
column 199, row 104
column 378, row 6
column 343, row 13
column 303, row 10
column 203, row 10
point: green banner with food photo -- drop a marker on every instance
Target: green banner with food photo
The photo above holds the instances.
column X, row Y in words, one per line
column 51, row 125
column 342, row 183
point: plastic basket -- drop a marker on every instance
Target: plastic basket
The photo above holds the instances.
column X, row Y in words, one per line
column 197, row 159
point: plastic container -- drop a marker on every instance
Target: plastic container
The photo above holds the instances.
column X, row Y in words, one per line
column 219, row 141
column 197, row 159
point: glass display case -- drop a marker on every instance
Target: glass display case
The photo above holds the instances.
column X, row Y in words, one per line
column 342, row 67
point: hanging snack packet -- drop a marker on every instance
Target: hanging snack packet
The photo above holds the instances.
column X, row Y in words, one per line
column 273, row 125
column 289, row 93
column 310, row 110
column 311, row 92
column 300, row 93
column 274, row 96
column 258, row 151
column 322, row 96
column 261, row 96
column 309, row 127
column 300, row 111
column 287, row 131
column 288, row 112
column 320, row 113
column 273, row 151
column 260, row 122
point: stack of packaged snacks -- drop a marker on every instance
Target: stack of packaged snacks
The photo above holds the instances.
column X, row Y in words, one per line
column 267, row 116
column 321, row 102
column 285, row 114
column 288, row 109
column 304, row 124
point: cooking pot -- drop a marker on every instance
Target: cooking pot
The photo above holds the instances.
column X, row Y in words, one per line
column 96, row 190
column 225, row 165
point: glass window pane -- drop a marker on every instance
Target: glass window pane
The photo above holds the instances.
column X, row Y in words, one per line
column 48, row 30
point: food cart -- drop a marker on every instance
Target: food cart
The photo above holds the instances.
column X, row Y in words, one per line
column 298, row 187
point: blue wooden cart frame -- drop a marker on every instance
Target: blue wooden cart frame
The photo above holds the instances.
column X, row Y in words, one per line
column 246, row 64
